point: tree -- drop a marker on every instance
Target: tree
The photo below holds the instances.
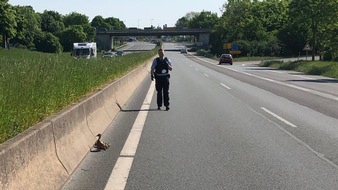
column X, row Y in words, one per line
column 51, row 21
column 70, row 35
column 7, row 22
column 90, row 32
column 98, row 22
column 183, row 22
column 293, row 36
column 107, row 23
column 204, row 19
column 217, row 39
column 78, row 19
column 315, row 16
column 28, row 25
column 330, row 43
column 234, row 17
column 114, row 23
column 75, row 18
column 253, row 25
column 48, row 43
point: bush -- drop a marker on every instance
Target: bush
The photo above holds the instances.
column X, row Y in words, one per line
column 47, row 43
column 205, row 53
column 324, row 68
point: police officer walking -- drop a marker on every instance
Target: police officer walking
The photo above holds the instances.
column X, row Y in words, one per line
column 160, row 71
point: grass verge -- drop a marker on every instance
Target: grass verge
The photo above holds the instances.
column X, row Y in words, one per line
column 35, row 85
column 323, row 68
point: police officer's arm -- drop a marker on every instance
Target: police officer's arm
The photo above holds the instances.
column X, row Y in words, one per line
column 152, row 74
column 170, row 67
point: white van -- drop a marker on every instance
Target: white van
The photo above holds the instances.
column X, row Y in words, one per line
column 85, row 50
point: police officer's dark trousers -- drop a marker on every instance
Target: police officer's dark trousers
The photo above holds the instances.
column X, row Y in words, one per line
column 162, row 88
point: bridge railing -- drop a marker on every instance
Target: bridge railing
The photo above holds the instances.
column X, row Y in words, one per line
column 155, row 30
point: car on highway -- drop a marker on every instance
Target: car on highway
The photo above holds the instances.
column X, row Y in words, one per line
column 184, row 50
column 120, row 53
column 225, row 58
column 108, row 54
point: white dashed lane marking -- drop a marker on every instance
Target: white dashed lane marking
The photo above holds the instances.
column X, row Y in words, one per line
column 225, row 86
column 278, row 117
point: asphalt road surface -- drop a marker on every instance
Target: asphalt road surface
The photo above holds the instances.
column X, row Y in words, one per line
column 228, row 127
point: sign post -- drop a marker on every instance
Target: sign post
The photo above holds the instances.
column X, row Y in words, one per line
column 307, row 48
column 232, row 47
column 227, row 46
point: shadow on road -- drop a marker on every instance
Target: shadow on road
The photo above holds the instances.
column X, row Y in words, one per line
column 316, row 80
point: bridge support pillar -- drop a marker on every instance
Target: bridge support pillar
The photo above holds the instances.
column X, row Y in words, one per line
column 204, row 38
column 104, row 41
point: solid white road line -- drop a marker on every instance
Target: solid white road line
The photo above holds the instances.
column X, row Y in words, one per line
column 329, row 96
column 119, row 176
column 299, row 76
column 320, row 155
column 278, row 117
column 281, row 83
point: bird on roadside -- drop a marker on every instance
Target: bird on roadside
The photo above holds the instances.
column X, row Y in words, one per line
column 100, row 145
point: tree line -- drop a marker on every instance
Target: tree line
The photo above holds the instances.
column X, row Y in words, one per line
column 272, row 27
column 50, row 31
column 259, row 27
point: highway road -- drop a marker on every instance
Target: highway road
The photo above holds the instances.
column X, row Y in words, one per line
column 229, row 127
column 138, row 46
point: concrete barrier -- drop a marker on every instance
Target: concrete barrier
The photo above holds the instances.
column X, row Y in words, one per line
column 45, row 155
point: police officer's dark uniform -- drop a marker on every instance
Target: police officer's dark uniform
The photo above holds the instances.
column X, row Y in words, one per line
column 160, row 71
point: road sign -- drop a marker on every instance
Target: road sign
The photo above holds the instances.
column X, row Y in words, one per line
column 307, row 47
column 227, row 46
column 234, row 46
column 235, row 52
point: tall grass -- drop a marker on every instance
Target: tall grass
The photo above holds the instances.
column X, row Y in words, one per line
column 328, row 69
column 34, row 85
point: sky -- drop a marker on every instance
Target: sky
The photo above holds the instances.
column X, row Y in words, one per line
column 134, row 13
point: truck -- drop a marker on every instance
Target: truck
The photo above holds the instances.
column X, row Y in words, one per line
column 85, row 50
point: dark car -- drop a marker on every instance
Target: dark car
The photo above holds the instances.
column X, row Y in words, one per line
column 184, row 50
column 225, row 58
column 109, row 54
column 120, row 53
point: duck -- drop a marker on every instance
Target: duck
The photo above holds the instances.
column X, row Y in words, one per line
column 100, row 145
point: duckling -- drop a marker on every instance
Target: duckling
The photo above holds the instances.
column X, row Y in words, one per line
column 100, row 145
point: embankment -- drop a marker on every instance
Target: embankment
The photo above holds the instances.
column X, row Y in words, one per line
column 45, row 155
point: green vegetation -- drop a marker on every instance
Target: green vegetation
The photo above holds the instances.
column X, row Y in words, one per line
column 35, row 85
column 328, row 69
column 259, row 28
column 271, row 28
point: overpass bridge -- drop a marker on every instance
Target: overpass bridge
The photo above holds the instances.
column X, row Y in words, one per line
column 104, row 39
